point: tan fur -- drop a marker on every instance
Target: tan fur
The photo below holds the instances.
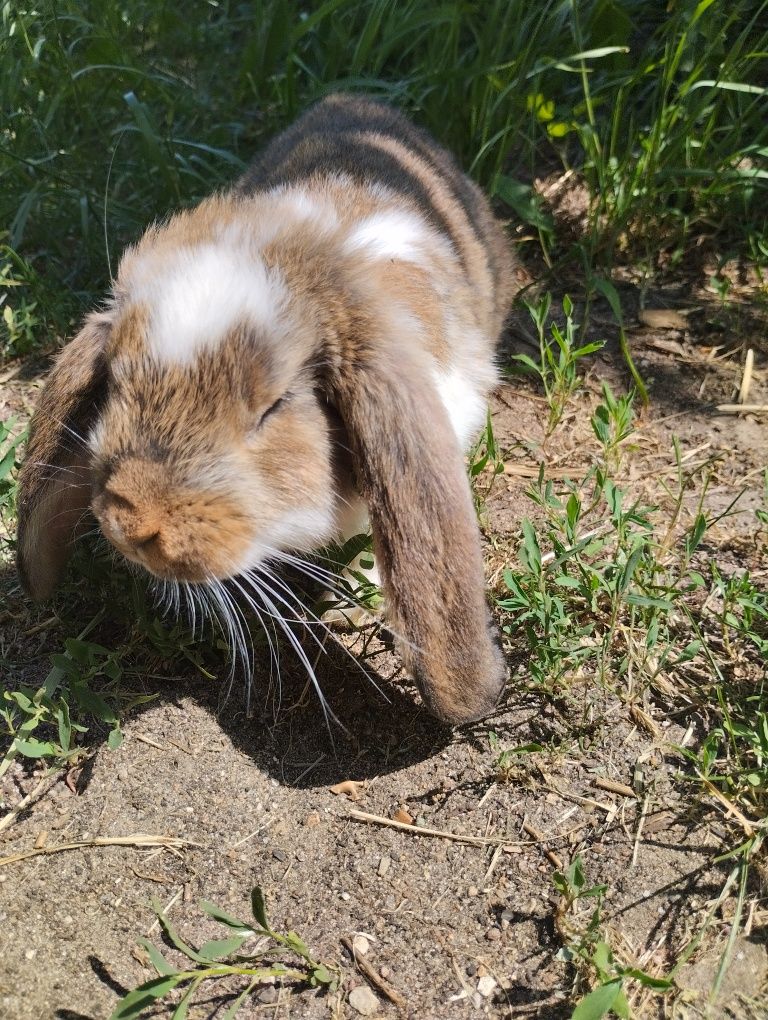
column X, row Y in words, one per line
column 270, row 435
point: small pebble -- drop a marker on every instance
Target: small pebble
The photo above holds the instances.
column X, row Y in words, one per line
column 361, row 945
column 312, row 820
column 486, row 986
column 473, row 890
column 267, row 995
column 280, row 855
column 30, row 954
column 363, row 1001
column 345, row 896
column 493, row 934
column 471, row 969
column 386, row 972
column 384, row 864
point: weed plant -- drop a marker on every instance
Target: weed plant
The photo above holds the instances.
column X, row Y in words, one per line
column 611, row 594
column 224, row 958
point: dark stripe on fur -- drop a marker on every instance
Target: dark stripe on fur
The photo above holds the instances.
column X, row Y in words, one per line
column 325, row 141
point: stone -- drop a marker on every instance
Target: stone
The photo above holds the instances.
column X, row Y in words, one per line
column 486, row 986
column 363, row 1001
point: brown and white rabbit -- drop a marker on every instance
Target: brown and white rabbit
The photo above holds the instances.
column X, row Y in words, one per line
column 316, row 343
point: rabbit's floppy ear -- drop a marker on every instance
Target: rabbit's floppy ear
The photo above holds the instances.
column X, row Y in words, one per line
column 54, row 482
column 410, row 470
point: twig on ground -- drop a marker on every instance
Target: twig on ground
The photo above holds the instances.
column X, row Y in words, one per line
column 551, row 856
column 612, row 787
column 746, row 379
column 148, row 740
column 730, row 807
column 45, row 784
column 494, row 862
column 608, row 808
column 422, row 830
column 639, row 832
column 742, row 408
column 43, row 625
column 375, row 979
column 138, row 839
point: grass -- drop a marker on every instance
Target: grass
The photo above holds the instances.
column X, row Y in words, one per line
column 114, row 114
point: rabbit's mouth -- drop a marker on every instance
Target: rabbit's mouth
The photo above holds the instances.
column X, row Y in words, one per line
column 150, row 555
column 174, row 531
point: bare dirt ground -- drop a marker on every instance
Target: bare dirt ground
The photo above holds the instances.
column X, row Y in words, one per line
column 251, row 795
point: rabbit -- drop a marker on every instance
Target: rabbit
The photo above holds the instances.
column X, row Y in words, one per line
column 306, row 351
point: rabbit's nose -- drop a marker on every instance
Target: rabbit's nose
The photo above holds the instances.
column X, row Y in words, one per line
column 128, row 524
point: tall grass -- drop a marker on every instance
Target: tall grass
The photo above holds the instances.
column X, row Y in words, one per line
column 114, row 113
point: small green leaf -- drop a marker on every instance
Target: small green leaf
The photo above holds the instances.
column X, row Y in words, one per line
column 567, row 582
column 33, row 748
column 158, row 961
column 602, row 957
column 224, row 918
column 598, row 1002
column 93, row 703
column 621, row 1007
column 259, row 908
column 321, row 976
column 134, row 1003
column 648, row 602
column 661, row 984
column 297, row 944
column 115, row 738
column 181, row 1011
column 218, row 949
column 531, row 547
column 521, row 198
column 173, row 938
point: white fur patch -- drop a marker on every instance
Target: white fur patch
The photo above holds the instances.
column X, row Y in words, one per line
column 391, row 235
column 465, row 404
column 305, row 206
column 302, row 530
column 201, row 292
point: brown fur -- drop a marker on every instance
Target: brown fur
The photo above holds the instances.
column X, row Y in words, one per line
column 197, row 465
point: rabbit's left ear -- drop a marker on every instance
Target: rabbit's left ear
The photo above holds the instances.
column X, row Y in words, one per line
column 410, row 470
column 55, row 481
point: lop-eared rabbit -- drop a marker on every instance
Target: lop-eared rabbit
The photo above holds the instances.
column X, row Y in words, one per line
column 275, row 368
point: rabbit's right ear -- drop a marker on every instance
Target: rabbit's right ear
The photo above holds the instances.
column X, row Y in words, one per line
column 54, row 482
column 410, row 470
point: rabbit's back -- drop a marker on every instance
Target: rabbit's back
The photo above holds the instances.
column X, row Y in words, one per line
column 367, row 146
